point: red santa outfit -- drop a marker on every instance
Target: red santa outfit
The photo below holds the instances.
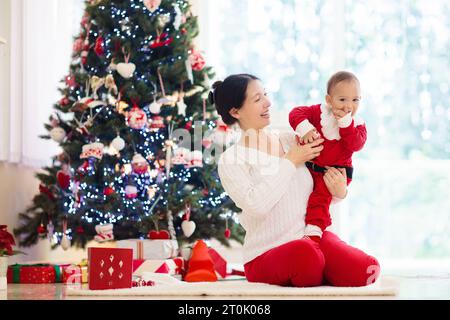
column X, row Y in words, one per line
column 342, row 138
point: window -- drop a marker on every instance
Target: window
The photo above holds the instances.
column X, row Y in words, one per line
column 398, row 206
column 38, row 57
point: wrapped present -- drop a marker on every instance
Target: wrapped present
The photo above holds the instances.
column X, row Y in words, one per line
column 151, row 249
column 110, row 268
column 74, row 273
column 220, row 264
column 174, row 266
column 34, row 274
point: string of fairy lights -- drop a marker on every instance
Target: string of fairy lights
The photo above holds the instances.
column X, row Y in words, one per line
column 91, row 196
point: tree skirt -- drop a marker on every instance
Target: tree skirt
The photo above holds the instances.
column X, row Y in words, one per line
column 383, row 287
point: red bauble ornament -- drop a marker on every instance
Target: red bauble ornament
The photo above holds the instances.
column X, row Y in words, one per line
column 43, row 189
column 108, row 191
column 197, row 61
column 188, row 125
column 136, row 118
column 139, row 164
column 80, row 230
column 205, row 192
column 64, row 101
column 227, row 233
column 100, row 46
column 70, row 81
column 159, row 235
column 41, row 229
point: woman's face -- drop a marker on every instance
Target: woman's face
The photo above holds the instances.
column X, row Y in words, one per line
column 254, row 113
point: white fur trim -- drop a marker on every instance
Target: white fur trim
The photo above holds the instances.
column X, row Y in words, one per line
column 346, row 121
column 312, row 230
column 304, row 127
column 330, row 128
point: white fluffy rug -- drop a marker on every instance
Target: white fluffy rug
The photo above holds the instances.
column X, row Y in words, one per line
column 383, row 287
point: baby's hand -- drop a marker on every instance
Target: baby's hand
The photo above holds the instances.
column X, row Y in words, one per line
column 311, row 136
column 338, row 114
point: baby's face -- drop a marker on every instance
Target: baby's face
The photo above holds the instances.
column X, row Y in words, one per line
column 345, row 96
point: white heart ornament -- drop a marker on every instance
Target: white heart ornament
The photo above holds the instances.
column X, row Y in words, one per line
column 155, row 108
column 126, row 70
column 188, row 228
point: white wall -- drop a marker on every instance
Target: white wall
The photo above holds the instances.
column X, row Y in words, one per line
column 5, row 7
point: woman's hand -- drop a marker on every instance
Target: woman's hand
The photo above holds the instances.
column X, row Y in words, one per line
column 298, row 155
column 336, row 182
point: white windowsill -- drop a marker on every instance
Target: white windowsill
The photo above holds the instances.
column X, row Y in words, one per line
column 2, row 40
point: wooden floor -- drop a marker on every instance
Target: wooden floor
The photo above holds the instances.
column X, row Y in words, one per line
column 423, row 288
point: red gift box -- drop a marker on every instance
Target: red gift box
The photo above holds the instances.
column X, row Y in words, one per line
column 34, row 274
column 110, row 268
column 72, row 274
column 220, row 264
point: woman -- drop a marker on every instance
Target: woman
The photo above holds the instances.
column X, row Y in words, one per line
column 265, row 175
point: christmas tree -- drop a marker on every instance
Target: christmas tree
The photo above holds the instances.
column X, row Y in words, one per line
column 138, row 136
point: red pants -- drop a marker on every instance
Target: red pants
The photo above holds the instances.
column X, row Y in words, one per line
column 318, row 209
column 304, row 263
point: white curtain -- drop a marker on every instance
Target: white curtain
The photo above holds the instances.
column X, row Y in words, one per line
column 40, row 45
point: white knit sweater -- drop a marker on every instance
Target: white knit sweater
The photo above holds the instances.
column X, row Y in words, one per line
column 271, row 192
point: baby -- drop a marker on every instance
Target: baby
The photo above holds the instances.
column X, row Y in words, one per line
column 343, row 133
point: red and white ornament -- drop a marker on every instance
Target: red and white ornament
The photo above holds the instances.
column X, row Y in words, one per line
column 64, row 101
column 136, row 118
column 157, row 123
column 92, row 150
column 78, row 45
column 197, row 61
column 104, row 233
column 139, row 164
column 223, row 135
column 87, row 103
column 181, row 156
column 196, row 159
column 131, row 192
column 70, row 81
column 152, row 5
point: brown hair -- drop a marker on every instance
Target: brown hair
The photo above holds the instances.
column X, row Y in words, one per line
column 339, row 77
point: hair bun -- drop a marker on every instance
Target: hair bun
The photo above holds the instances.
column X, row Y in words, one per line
column 217, row 84
column 211, row 97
